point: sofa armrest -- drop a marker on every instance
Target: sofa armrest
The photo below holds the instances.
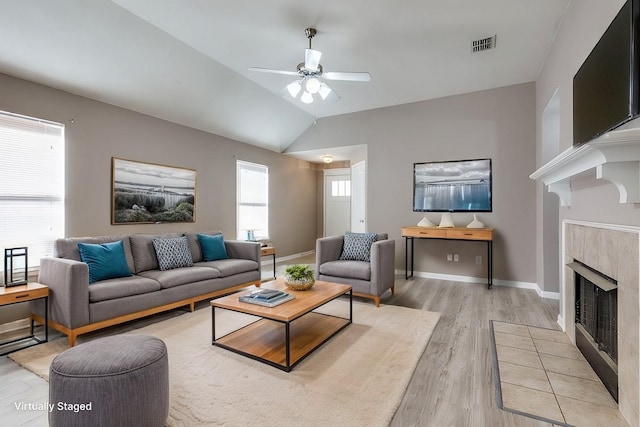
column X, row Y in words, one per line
column 68, row 282
column 383, row 254
column 328, row 249
column 241, row 249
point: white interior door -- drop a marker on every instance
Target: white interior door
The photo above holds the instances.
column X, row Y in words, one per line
column 359, row 197
column 337, row 201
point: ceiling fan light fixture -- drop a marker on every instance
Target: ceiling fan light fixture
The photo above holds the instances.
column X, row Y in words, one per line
column 294, row 88
column 324, row 91
column 306, row 97
column 312, row 85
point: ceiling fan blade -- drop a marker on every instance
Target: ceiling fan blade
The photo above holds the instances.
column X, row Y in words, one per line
column 272, row 71
column 348, row 76
column 312, row 59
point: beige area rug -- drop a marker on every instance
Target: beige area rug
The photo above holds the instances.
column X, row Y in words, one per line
column 358, row 378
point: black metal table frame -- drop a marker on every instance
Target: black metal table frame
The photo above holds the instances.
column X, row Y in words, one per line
column 406, row 257
column 32, row 336
column 288, row 366
column 274, row 263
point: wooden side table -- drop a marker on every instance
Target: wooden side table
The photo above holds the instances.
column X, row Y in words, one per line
column 270, row 250
column 21, row 293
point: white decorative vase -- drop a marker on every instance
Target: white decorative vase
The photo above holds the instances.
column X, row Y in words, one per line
column 475, row 223
column 424, row 222
column 446, row 221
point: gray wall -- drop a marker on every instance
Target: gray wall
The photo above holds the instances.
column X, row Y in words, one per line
column 96, row 131
column 497, row 124
column 592, row 200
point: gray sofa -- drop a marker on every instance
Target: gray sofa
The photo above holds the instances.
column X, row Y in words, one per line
column 369, row 279
column 76, row 307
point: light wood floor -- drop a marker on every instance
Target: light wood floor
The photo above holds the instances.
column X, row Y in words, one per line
column 452, row 384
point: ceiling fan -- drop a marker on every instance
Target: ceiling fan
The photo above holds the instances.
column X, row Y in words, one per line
column 311, row 76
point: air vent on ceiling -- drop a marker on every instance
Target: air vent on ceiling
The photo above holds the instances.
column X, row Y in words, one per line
column 483, row 44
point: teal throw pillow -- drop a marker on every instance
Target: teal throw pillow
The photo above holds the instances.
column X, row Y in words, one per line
column 173, row 252
column 212, row 247
column 357, row 246
column 105, row 260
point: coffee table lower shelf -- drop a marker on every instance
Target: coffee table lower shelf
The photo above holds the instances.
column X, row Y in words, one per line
column 282, row 344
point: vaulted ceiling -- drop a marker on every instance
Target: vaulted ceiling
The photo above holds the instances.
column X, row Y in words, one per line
column 187, row 61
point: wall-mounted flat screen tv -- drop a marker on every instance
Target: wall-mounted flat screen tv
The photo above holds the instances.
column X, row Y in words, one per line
column 606, row 88
column 452, row 186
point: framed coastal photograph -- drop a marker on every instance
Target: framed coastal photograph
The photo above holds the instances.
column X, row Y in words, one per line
column 146, row 193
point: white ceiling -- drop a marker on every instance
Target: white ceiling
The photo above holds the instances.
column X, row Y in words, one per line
column 188, row 61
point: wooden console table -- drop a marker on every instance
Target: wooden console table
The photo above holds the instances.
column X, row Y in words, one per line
column 455, row 233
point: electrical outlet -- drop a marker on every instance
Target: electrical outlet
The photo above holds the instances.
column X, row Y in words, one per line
column 456, row 258
column 479, row 259
column 449, row 257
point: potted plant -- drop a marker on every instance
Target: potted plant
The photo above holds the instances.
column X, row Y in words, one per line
column 298, row 277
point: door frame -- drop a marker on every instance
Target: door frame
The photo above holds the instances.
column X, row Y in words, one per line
column 355, row 193
column 331, row 172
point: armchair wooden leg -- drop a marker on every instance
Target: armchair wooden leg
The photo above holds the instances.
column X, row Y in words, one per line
column 375, row 299
column 393, row 290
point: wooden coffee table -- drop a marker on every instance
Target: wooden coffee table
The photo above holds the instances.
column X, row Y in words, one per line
column 283, row 335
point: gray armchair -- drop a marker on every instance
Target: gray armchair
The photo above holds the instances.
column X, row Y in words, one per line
column 369, row 279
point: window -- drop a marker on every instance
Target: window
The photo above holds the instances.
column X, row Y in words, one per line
column 31, row 185
column 341, row 188
column 252, row 208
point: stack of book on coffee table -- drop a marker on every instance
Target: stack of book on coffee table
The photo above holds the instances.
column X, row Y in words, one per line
column 266, row 297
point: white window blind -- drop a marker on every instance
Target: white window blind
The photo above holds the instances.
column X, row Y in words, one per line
column 31, row 185
column 252, row 208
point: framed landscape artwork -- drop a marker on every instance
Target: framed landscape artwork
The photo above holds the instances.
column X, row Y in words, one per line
column 147, row 193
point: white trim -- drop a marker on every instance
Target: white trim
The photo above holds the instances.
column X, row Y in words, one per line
column 549, row 295
column 337, row 171
column 606, row 226
column 15, row 325
column 561, row 323
column 483, row 280
column 286, row 258
column 615, row 156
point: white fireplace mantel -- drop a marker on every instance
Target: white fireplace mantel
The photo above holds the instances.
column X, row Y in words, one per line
column 615, row 156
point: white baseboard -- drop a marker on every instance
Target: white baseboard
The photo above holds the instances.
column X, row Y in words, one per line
column 15, row 325
column 561, row 323
column 287, row 258
column 550, row 295
column 496, row 282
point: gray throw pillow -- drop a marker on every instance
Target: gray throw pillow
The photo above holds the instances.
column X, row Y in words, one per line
column 357, row 246
column 173, row 253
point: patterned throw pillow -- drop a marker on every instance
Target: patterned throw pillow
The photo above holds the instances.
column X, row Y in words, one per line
column 173, row 253
column 357, row 246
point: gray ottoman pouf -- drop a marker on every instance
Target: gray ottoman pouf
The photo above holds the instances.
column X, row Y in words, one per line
column 121, row 380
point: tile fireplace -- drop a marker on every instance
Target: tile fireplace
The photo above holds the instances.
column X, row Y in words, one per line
column 600, row 307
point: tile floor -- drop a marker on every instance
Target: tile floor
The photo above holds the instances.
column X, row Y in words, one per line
column 542, row 374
